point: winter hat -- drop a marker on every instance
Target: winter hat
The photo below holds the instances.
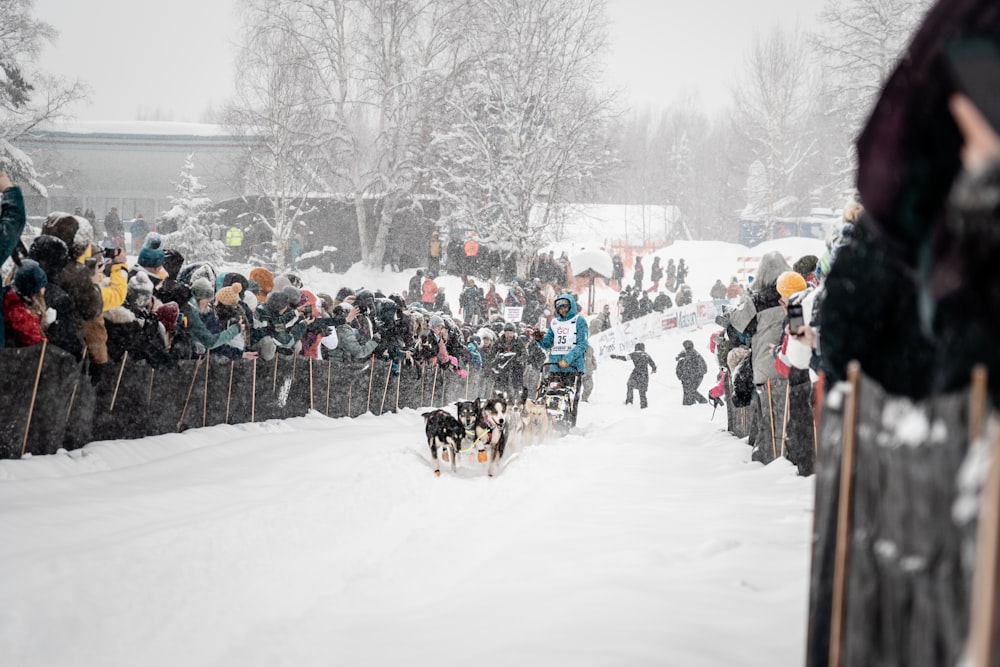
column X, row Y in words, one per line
column 192, row 272
column 293, row 295
column 806, row 264
column 202, row 288
column 436, row 321
column 29, row 279
column 688, row 345
column 640, row 347
column 277, row 301
column 232, row 278
column 172, row 262
column 339, row 315
column 343, row 293
column 152, row 255
column 281, row 282
column 789, row 283
column 50, row 252
column 250, row 299
column 327, row 301
column 264, row 278
column 140, row 282
column 168, row 314
column 140, row 289
column 153, row 241
column 229, row 296
column 151, row 258
column 75, row 231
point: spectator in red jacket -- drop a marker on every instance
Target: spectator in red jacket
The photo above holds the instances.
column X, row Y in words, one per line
column 24, row 306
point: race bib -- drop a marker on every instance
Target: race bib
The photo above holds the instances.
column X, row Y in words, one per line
column 564, row 335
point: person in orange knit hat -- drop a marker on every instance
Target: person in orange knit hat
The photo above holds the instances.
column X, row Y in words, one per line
column 265, row 279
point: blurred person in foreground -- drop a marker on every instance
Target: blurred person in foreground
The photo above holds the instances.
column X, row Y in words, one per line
column 914, row 296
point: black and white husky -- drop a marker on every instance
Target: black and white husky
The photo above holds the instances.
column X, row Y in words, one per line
column 491, row 429
column 444, row 437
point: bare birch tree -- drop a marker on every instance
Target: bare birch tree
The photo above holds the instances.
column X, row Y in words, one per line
column 525, row 120
column 273, row 112
column 773, row 103
column 859, row 45
column 376, row 68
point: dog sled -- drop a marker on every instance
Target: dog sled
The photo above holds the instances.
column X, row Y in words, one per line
column 559, row 393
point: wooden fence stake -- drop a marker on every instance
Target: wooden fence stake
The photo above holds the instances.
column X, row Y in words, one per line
column 986, row 576
column 784, row 418
column 423, row 374
column 844, row 514
column 399, row 379
column 34, row 395
column 385, row 389
column 329, row 377
column 204, row 399
column 229, row 394
column 371, row 382
column 114, row 394
column 253, row 393
column 434, row 383
column 310, row 383
column 194, row 376
column 770, row 414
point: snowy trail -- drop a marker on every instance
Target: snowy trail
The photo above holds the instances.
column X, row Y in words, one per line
column 644, row 538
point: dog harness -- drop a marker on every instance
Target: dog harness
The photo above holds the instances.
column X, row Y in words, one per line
column 474, row 442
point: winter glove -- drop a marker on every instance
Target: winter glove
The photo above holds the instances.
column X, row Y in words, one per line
column 233, row 329
column 50, row 315
column 462, row 373
column 538, row 335
column 563, row 363
column 453, row 361
column 377, row 337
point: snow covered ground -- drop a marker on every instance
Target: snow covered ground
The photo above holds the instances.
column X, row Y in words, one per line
column 642, row 538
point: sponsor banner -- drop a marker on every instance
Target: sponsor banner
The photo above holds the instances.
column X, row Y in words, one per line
column 621, row 339
column 513, row 313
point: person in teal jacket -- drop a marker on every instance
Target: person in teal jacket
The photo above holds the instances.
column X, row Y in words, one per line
column 566, row 342
column 12, row 221
column 566, row 337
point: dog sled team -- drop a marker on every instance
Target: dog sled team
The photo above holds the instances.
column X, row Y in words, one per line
column 487, row 426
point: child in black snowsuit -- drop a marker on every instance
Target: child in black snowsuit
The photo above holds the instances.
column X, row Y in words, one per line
column 639, row 379
column 691, row 371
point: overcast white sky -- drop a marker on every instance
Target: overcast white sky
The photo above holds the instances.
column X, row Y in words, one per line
column 176, row 56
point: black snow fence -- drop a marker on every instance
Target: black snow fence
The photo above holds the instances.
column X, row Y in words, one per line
column 896, row 530
column 51, row 401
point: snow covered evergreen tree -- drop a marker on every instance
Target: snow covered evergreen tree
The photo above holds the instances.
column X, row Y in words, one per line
column 191, row 218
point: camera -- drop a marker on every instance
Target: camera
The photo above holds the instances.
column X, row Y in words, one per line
column 90, row 263
column 795, row 318
column 109, row 253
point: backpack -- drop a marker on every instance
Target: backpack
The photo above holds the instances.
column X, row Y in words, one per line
column 743, row 387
